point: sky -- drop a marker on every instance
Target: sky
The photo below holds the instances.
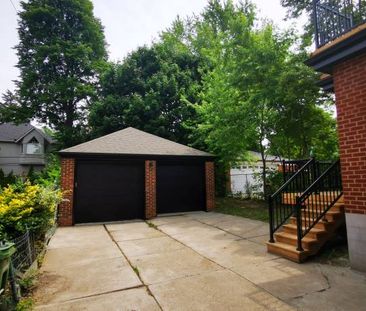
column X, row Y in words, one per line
column 127, row 25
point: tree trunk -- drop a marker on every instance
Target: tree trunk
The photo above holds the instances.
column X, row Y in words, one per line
column 264, row 171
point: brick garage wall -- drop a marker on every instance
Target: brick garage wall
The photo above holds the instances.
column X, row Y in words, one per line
column 65, row 210
column 210, row 185
column 350, row 89
column 150, row 189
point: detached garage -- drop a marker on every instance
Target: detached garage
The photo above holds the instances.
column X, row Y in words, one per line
column 132, row 174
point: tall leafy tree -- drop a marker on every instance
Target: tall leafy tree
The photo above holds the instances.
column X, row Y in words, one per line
column 257, row 93
column 150, row 90
column 61, row 51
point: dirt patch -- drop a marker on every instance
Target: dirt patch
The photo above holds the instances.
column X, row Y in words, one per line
column 48, row 286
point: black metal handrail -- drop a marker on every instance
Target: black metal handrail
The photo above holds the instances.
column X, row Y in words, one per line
column 281, row 203
column 290, row 167
column 332, row 18
column 317, row 199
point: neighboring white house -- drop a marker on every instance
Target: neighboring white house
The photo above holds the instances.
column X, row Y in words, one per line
column 245, row 177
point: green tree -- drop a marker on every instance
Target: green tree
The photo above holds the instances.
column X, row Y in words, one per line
column 303, row 120
column 150, row 90
column 257, row 93
column 61, row 51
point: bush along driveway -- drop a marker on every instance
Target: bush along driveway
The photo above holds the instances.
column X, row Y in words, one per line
column 197, row 261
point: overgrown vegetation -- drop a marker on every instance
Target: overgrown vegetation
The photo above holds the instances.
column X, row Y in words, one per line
column 29, row 203
column 25, row 206
column 50, row 175
column 6, row 179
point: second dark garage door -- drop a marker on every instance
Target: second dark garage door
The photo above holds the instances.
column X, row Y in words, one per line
column 180, row 186
column 109, row 190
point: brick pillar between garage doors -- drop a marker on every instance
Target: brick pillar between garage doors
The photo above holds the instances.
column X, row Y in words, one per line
column 210, row 185
column 150, row 189
column 65, row 209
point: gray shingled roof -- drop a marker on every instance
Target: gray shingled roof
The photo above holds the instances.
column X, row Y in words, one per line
column 12, row 132
column 134, row 142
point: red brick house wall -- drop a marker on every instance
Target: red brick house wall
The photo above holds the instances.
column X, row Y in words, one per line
column 150, row 189
column 350, row 90
column 65, row 210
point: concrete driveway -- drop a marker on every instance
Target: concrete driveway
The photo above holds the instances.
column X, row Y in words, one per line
column 196, row 261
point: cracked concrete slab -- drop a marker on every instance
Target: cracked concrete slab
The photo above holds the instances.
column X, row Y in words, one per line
column 210, row 218
column 77, row 256
column 166, row 266
column 261, row 239
column 161, row 220
column 282, row 278
column 126, row 226
column 132, row 231
column 243, row 229
column 77, row 281
column 186, row 226
column 198, row 261
column 131, row 299
column 80, row 237
column 217, row 290
column 346, row 291
column 150, row 246
column 237, row 254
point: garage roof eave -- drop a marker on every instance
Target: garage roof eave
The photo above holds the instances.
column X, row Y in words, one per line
column 64, row 154
column 133, row 142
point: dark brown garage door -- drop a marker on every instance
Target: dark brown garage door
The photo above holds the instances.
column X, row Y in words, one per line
column 109, row 191
column 180, row 187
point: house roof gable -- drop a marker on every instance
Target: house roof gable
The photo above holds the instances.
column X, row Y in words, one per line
column 10, row 132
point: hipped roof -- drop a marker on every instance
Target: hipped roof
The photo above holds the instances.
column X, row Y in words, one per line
column 131, row 141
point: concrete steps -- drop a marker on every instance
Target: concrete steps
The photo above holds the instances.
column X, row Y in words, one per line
column 286, row 239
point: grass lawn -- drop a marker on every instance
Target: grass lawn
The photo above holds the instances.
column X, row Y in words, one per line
column 253, row 209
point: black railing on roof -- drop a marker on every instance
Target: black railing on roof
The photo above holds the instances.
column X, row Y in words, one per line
column 333, row 18
column 315, row 201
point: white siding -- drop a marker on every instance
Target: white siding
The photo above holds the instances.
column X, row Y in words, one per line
column 247, row 175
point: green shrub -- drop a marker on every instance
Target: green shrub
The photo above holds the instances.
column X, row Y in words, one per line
column 6, row 180
column 25, row 304
column 23, row 205
column 50, row 175
column 274, row 181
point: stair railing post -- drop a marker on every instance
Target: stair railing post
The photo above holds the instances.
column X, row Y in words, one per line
column 299, row 224
column 270, row 204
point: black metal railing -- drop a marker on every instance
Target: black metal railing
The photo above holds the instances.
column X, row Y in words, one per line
column 289, row 168
column 332, row 18
column 317, row 199
column 283, row 201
